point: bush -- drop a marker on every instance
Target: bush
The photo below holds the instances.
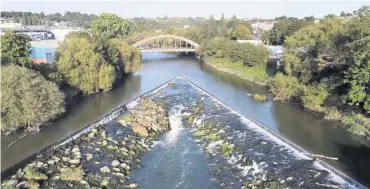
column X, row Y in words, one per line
column 259, row 97
column 28, row 100
column 285, row 87
column 314, row 96
column 357, row 123
column 84, row 67
column 125, row 56
column 332, row 113
column 32, row 174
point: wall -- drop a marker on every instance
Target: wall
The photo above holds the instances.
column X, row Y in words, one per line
column 39, row 54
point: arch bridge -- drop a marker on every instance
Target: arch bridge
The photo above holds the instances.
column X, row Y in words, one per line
column 166, row 43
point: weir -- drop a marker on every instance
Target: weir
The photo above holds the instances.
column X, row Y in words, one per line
column 123, row 109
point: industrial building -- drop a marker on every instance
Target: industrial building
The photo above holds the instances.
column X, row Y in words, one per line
column 44, row 51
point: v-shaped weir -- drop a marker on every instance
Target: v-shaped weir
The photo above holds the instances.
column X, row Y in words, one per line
column 177, row 136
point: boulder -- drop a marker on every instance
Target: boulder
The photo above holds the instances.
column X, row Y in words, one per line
column 11, row 184
column 89, row 157
column 74, row 161
column 105, row 169
column 75, row 149
column 140, row 130
column 115, row 163
column 120, row 175
column 132, row 185
column 123, row 165
column 104, row 182
column 22, row 184
column 115, row 169
column 51, row 162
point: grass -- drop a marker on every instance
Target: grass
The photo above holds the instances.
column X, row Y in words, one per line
column 33, row 174
column 72, row 174
column 258, row 75
column 259, row 97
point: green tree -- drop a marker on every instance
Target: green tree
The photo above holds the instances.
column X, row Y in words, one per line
column 242, row 32
column 314, row 96
column 108, row 26
column 15, row 49
column 126, row 58
column 27, row 99
column 83, row 66
column 285, row 87
column 342, row 14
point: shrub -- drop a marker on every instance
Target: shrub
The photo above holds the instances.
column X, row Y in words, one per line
column 285, row 87
column 357, row 123
column 259, row 97
column 32, row 174
column 226, row 149
column 72, row 174
column 314, row 96
column 332, row 113
column 28, row 100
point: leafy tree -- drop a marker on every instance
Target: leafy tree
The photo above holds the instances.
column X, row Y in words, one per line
column 83, row 66
column 15, row 49
column 285, row 28
column 285, row 87
column 126, row 57
column 192, row 33
column 358, row 74
column 314, row 96
column 349, row 14
column 342, row 14
column 28, row 100
column 310, row 18
column 242, row 32
column 109, row 26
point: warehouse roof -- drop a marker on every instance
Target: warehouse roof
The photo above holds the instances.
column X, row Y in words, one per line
column 45, row 43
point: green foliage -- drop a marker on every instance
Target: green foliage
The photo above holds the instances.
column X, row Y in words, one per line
column 226, row 149
column 357, row 123
column 28, row 100
column 259, row 97
column 314, row 96
column 126, row 57
column 286, row 27
column 242, row 32
column 249, row 54
column 84, row 67
column 33, row 185
column 332, row 113
column 32, row 174
column 192, row 33
column 15, row 49
column 285, row 87
column 108, row 26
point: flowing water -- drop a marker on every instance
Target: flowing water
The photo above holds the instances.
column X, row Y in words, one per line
column 305, row 129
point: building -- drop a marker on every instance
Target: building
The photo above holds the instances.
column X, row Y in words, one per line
column 43, row 51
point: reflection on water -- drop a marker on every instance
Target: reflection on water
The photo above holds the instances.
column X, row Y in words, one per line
column 305, row 129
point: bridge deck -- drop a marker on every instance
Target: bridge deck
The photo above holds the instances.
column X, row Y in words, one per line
column 167, row 50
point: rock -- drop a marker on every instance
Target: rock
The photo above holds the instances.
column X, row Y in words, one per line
column 123, row 165
column 74, row 161
column 84, row 182
column 56, row 177
column 105, row 169
column 104, row 143
column 94, row 131
column 140, row 130
column 120, row 175
column 282, row 181
column 115, row 169
column 115, row 163
column 104, row 182
column 31, row 164
column 289, row 179
column 51, row 162
column 75, row 149
column 132, row 185
column 91, row 135
column 11, row 183
column 97, row 149
column 89, row 157
column 65, row 159
column 22, row 184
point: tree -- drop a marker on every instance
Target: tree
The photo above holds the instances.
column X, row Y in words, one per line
column 28, row 100
column 108, row 26
column 15, row 49
column 310, row 18
column 83, row 66
column 285, row 87
column 127, row 58
column 358, row 74
column 242, row 32
column 285, row 28
column 342, row 14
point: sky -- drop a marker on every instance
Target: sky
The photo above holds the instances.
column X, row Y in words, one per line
column 192, row 8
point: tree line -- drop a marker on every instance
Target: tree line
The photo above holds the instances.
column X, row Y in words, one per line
column 30, row 19
column 87, row 61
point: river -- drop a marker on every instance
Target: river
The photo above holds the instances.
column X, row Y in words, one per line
column 303, row 128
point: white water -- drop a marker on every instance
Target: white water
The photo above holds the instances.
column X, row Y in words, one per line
column 175, row 125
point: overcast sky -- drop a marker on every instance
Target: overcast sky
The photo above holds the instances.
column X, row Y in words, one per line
column 175, row 8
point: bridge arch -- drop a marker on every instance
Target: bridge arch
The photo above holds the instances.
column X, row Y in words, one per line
column 166, row 43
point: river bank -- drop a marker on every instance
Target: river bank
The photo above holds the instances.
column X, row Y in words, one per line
column 355, row 123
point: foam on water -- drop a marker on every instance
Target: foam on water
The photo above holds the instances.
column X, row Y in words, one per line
column 175, row 124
